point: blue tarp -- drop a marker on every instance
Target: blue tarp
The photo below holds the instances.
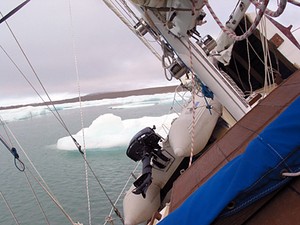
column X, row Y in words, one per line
column 248, row 177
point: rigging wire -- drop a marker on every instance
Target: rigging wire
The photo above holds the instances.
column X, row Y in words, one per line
column 295, row 29
column 53, row 198
column 10, row 209
column 262, row 8
column 58, row 117
column 109, row 217
column 37, row 199
column 83, row 154
column 269, row 76
column 249, row 60
column 55, row 111
column 104, row 191
column 24, row 152
column 12, row 12
column 117, row 12
column 43, row 184
column 14, row 152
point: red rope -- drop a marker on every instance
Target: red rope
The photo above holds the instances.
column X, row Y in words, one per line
column 262, row 8
column 278, row 12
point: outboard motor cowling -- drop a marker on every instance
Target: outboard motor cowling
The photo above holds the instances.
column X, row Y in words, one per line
column 144, row 146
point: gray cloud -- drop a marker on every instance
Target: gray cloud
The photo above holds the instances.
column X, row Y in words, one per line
column 110, row 57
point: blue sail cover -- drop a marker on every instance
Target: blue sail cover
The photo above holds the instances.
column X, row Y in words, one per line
column 248, row 177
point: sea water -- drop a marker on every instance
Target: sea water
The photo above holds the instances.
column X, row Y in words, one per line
column 56, row 158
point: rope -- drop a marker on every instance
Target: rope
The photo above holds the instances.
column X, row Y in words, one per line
column 167, row 9
column 27, row 157
column 193, row 103
column 126, row 22
column 36, row 198
column 269, row 78
column 13, row 151
column 168, row 56
column 109, row 217
column 9, row 208
column 53, row 199
column 102, row 188
column 87, row 165
column 81, row 112
column 286, row 174
column 249, row 61
column 44, row 184
column 278, row 12
column 262, row 8
column 56, row 113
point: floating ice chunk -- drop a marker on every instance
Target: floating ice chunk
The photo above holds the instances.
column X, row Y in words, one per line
column 108, row 131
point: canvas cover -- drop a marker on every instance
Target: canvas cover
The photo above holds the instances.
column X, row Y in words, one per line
column 250, row 176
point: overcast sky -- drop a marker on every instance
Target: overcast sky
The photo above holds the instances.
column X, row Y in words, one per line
column 110, row 57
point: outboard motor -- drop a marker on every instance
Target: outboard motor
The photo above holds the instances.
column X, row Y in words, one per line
column 144, row 146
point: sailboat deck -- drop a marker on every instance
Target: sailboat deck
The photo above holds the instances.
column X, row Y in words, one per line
column 235, row 140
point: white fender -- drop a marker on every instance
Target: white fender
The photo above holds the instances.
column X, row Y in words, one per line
column 138, row 209
column 180, row 134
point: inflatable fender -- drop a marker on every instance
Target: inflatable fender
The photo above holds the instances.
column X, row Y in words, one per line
column 138, row 209
column 180, row 134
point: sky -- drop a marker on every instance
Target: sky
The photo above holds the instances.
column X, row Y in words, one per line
column 108, row 55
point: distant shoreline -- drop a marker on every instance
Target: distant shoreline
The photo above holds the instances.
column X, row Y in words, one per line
column 100, row 96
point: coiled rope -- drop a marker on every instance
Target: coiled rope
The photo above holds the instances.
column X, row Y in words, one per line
column 281, row 7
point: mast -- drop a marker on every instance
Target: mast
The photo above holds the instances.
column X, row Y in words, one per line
column 190, row 54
